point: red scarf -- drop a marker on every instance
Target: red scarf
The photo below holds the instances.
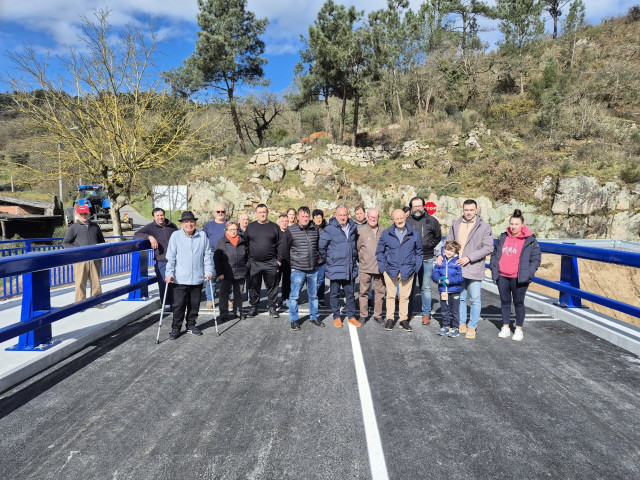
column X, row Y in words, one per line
column 234, row 240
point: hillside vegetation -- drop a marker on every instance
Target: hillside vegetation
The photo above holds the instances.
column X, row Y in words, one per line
column 569, row 107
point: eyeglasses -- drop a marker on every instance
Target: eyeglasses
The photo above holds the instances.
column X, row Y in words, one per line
column 221, row 211
column 232, row 230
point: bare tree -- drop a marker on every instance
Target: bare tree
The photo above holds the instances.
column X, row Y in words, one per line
column 113, row 117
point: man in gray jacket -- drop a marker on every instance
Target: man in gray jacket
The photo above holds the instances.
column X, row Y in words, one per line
column 188, row 265
column 474, row 234
column 366, row 242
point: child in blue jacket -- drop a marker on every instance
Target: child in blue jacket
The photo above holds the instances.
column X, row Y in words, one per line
column 448, row 276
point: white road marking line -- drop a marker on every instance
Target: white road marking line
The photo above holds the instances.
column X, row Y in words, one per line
column 374, row 445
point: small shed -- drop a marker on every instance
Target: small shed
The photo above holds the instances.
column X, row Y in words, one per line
column 29, row 218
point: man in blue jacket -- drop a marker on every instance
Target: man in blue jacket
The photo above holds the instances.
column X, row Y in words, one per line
column 188, row 265
column 399, row 256
column 337, row 247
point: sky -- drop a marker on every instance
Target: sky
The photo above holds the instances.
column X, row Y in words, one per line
column 52, row 26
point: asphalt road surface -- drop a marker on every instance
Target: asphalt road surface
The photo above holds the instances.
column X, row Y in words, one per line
column 264, row 402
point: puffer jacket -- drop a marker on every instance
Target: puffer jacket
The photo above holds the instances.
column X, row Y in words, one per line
column 430, row 232
column 530, row 258
column 451, row 271
column 231, row 261
column 299, row 247
column 395, row 257
column 338, row 251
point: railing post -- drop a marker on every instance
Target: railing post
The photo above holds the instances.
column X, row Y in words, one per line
column 569, row 275
column 36, row 301
column 27, row 246
column 139, row 272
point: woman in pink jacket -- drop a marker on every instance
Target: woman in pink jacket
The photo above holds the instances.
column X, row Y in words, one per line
column 514, row 262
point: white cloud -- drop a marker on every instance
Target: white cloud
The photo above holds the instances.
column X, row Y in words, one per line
column 60, row 19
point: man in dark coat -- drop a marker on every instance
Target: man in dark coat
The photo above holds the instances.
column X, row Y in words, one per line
column 81, row 234
column 158, row 233
column 399, row 256
column 338, row 248
column 299, row 249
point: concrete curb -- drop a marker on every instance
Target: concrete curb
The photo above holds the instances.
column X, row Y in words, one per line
column 58, row 353
column 614, row 331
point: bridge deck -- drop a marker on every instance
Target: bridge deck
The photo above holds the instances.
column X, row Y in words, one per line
column 262, row 401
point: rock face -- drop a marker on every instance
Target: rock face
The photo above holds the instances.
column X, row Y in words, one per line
column 581, row 207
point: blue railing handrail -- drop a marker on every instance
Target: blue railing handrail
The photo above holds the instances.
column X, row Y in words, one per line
column 52, row 239
column 32, row 262
column 619, row 257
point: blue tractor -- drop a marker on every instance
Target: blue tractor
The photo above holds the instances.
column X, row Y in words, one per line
column 95, row 197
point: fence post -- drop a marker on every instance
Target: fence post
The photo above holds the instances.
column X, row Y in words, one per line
column 36, row 301
column 569, row 275
column 139, row 271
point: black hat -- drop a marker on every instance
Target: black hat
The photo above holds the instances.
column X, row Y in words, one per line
column 187, row 215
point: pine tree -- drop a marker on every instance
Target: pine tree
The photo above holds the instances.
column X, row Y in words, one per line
column 573, row 22
column 228, row 54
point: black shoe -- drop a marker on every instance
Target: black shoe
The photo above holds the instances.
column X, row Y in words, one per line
column 175, row 333
column 295, row 325
column 252, row 312
column 223, row 318
column 321, row 304
column 388, row 325
column 273, row 313
column 404, row 325
column 317, row 322
column 380, row 320
column 194, row 331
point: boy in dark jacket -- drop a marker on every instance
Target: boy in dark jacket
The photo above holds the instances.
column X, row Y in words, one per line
column 448, row 276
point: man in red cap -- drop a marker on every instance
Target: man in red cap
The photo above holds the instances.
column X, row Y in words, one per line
column 81, row 234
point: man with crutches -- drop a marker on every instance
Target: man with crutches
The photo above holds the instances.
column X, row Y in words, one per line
column 188, row 265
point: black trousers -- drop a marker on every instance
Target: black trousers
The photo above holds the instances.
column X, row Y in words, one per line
column 267, row 271
column 511, row 288
column 284, row 275
column 185, row 298
column 225, row 290
column 450, row 310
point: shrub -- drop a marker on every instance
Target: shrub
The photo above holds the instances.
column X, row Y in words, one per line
column 520, row 106
column 633, row 15
column 630, row 174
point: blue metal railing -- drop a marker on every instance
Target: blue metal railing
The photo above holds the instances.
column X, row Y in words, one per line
column 37, row 315
column 62, row 275
column 570, row 293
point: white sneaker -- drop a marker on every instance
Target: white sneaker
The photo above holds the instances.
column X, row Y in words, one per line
column 505, row 332
column 518, row 335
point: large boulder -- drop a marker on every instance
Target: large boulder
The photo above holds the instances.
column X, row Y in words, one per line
column 275, row 172
column 582, row 195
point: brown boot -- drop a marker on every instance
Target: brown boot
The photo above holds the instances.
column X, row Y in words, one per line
column 209, row 306
column 355, row 322
column 463, row 328
column 337, row 322
column 471, row 333
column 426, row 320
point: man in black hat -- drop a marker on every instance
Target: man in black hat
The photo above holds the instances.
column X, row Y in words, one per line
column 188, row 265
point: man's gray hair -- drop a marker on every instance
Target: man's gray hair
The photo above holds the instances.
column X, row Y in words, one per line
column 342, row 205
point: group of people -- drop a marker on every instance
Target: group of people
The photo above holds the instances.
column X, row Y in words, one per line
column 302, row 248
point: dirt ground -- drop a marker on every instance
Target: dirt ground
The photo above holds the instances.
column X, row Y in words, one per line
column 612, row 281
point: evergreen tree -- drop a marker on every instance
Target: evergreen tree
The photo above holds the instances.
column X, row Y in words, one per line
column 574, row 21
column 522, row 27
column 228, row 53
column 554, row 8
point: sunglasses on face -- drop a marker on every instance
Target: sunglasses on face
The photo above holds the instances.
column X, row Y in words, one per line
column 221, row 211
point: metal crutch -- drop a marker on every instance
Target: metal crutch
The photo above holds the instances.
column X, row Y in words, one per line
column 213, row 302
column 164, row 299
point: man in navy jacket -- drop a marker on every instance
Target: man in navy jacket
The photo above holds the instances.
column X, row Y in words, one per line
column 337, row 247
column 399, row 256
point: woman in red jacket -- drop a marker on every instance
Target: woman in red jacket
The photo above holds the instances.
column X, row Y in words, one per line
column 514, row 262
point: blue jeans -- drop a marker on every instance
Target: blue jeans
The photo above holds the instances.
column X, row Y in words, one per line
column 207, row 291
column 474, row 289
column 423, row 278
column 321, row 285
column 298, row 278
column 161, row 273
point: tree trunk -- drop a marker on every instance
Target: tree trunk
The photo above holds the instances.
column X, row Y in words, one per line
column 356, row 105
column 428, row 100
column 399, row 107
column 236, row 124
column 555, row 27
column 114, row 211
column 419, row 99
column 343, row 114
column 327, row 120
